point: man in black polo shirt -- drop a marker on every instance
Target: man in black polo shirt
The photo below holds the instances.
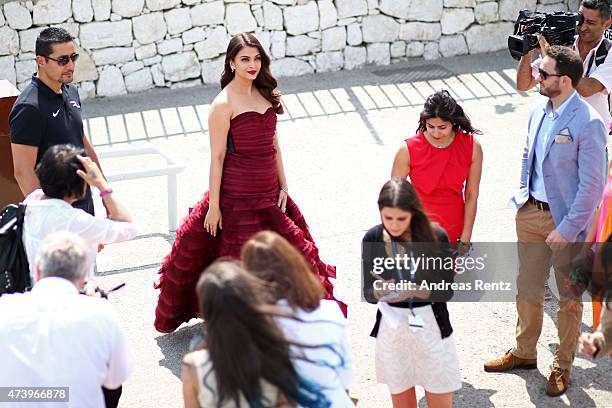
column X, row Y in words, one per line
column 48, row 111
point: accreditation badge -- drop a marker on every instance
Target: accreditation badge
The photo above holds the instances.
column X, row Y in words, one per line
column 415, row 322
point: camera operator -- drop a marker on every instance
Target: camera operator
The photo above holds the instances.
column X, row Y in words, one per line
column 596, row 84
column 54, row 337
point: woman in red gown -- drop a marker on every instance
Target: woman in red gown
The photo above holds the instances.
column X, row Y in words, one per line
column 247, row 187
column 444, row 162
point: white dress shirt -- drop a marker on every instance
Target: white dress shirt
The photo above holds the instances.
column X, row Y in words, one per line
column 328, row 365
column 46, row 216
column 54, row 337
column 602, row 73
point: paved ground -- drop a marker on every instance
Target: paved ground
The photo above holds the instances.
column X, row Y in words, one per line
column 338, row 141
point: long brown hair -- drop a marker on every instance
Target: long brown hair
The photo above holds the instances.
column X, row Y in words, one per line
column 271, row 258
column 243, row 342
column 265, row 82
column 399, row 193
column 442, row 105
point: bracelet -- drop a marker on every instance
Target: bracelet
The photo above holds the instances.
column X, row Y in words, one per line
column 285, row 190
column 105, row 192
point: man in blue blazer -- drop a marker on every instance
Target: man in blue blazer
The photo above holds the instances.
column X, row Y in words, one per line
column 562, row 178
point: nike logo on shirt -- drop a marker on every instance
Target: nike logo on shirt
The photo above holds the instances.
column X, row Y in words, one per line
column 56, row 113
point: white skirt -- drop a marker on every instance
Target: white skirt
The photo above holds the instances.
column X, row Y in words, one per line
column 405, row 358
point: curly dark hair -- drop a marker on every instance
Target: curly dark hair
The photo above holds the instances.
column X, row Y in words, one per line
column 57, row 172
column 442, row 105
column 265, row 82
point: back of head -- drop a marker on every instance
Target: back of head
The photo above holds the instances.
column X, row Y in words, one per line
column 568, row 62
column 442, row 105
column 57, row 172
column 244, row 344
column 49, row 37
column 399, row 193
column 64, row 255
column 604, row 7
column 273, row 259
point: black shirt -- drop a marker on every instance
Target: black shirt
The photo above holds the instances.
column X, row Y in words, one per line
column 43, row 118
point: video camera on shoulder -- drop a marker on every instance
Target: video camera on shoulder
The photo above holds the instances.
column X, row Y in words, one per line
column 558, row 28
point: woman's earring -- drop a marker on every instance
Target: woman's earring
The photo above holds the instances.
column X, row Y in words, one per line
column 233, row 69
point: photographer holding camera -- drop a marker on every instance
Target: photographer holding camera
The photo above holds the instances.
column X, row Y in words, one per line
column 595, row 51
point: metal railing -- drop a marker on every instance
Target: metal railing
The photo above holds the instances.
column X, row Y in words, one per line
column 170, row 170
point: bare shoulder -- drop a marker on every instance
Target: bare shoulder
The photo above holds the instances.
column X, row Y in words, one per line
column 220, row 106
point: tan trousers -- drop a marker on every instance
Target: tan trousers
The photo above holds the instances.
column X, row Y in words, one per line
column 535, row 259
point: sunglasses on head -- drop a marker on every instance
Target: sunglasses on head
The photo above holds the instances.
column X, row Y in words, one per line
column 64, row 59
column 545, row 74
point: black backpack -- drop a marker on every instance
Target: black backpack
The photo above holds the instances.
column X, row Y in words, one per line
column 14, row 268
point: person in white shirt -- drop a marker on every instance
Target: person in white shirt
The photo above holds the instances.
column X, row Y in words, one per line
column 316, row 323
column 64, row 174
column 53, row 336
column 596, row 84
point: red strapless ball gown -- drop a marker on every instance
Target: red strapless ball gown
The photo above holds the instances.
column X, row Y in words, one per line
column 249, row 193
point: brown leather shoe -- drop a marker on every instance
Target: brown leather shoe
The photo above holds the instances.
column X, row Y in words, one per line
column 510, row 362
column 558, row 382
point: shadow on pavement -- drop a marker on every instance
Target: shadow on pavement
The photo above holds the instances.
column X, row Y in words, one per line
column 174, row 346
column 468, row 396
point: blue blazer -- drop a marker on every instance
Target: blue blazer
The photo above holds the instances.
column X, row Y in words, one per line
column 573, row 166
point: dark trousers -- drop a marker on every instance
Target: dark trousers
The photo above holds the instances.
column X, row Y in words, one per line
column 111, row 397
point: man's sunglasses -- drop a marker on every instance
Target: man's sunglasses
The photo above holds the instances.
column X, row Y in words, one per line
column 64, row 59
column 545, row 74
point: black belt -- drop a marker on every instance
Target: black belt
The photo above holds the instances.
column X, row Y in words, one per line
column 542, row 206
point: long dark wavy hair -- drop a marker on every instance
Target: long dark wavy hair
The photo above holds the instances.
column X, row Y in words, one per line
column 399, row 193
column 265, row 82
column 442, row 105
column 244, row 343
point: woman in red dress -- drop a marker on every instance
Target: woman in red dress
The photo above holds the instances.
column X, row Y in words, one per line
column 444, row 162
column 247, row 186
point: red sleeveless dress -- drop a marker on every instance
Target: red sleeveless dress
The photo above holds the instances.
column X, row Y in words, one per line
column 438, row 176
column 249, row 193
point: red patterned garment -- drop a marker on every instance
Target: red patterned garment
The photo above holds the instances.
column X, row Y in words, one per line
column 438, row 176
column 249, row 193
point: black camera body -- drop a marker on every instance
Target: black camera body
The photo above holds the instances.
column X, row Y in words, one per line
column 558, row 28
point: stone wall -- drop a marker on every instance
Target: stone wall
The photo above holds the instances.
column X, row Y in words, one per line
column 134, row 45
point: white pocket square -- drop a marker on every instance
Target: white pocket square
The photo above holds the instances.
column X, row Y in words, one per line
column 563, row 139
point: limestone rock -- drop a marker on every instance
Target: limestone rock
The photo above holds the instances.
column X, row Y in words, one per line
column 397, row 8
column 156, row 5
column 178, row 20
column 149, row 28
column 273, row 16
column 72, row 28
column 415, row 49
column 456, row 20
column 7, row 67
column 106, row 34
column 459, row 3
column 208, row 13
column 489, row 37
column 432, row 12
column 27, row 39
column 302, row 19
column 113, row 55
column 25, row 69
column 239, row 19
column 509, row 9
column 158, row 75
column 415, row 31
column 2, row 20
column 51, row 11
column 333, row 39
column 215, row 43
column 211, row 70
column 301, row 45
column 194, row 35
column 111, row 82
column 378, row 53
column 291, row 67
column 329, row 61
column 139, row 81
column 351, row 8
column 379, row 28
column 9, row 41
column 156, row 59
column 278, row 46
column 130, row 67
column 178, row 67
column 431, row 51
column 169, row 46
column 327, row 13
column 87, row 90
column 453, row 45
column 549, row 8
column 101, row 9
column 353, row 34
column 85, row 68
column 83, row 13
column 146, row 51
column 127, row 8
column 17, row 16
column 486, row 12
column 354, row 57
column 186, row 84
column 398, row 49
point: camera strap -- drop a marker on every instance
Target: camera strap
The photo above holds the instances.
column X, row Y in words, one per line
column 600, row 55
